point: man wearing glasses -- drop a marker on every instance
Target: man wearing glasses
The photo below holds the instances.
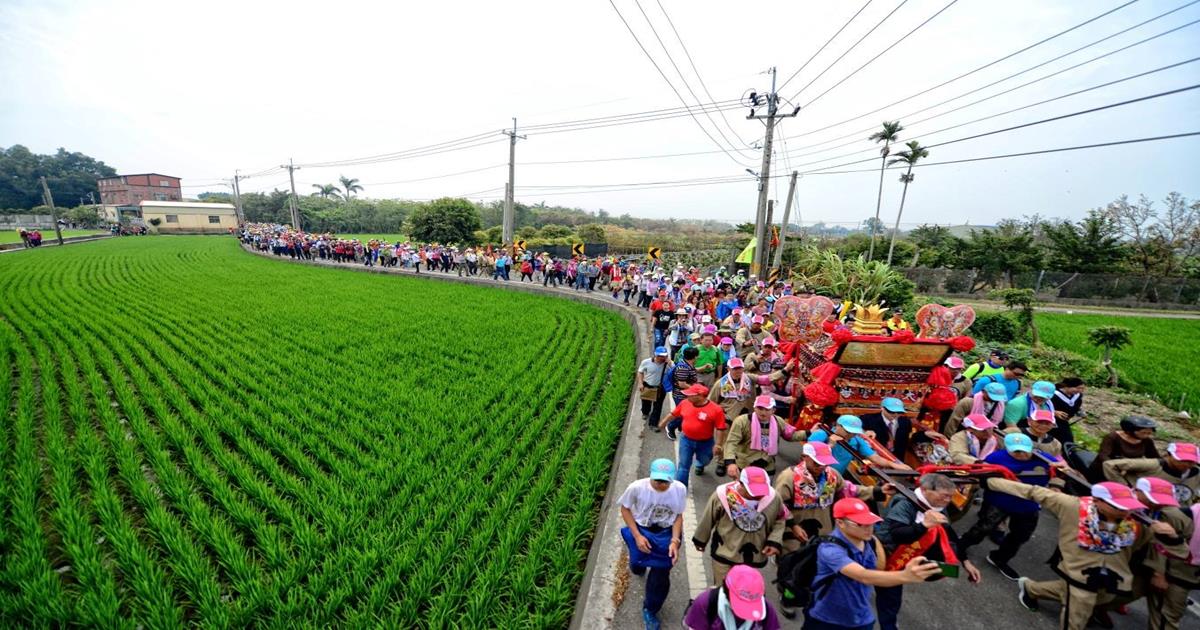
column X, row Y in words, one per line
column 1010, row 378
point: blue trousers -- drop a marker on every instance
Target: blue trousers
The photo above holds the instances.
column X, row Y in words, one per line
column 887, row 605
column 699, row 450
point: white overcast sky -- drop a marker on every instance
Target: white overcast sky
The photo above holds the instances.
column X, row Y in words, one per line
column 198, row 89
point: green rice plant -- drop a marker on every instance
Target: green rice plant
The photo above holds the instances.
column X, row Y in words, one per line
column 235, row 442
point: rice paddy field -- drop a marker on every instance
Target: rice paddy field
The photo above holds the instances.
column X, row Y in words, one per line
column 1162, row 360
column 195, row 436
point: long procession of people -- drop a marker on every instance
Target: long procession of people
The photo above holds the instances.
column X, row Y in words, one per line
column 717, row 384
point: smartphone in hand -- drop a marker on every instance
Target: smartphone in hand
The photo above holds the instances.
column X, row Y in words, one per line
column 948, row 570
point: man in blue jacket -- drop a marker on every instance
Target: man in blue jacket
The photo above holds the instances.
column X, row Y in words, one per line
column 1022, row 515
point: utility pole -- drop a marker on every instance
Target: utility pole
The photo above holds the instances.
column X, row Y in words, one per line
column 237, row 195
column 291, row 168
column 509, row 191
column 49, row 201
column 787, row 214
column 764, row 176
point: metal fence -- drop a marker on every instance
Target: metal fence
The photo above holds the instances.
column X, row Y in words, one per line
column 1061, row 286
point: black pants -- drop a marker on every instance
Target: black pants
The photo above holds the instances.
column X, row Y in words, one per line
column 1020, row 530
column 652, row 409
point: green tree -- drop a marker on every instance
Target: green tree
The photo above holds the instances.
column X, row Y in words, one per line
column 1109, row 339
column 910, row 156
column 592, row 233
column 937, row 246
column 1092, row 245
column 554, row 231
column 85, row 216
column 744, row 228
column 889, row 134
column 349, row 186
column 1024, row 301
column 327, row 191
column 445, row 220
column 1003, row 251
column 71, row 176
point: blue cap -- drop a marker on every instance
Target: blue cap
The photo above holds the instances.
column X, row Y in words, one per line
column 996, row 391
column 1043, row 389
column 661, row 351
column 852, row 424
column 1018, row 442
column 663, row 470
column 893, row 405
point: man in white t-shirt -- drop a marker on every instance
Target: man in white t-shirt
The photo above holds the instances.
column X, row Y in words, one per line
column 652, row 507
column 650, row 382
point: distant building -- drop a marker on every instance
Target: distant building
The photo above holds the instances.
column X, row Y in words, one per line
column 190, row 217
column 130, row 190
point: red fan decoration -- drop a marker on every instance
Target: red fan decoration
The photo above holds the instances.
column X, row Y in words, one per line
column 939, row 376
column 841, row 336
column 941, row 398
column 821, row 394
column 962, row 343
column 904, row 336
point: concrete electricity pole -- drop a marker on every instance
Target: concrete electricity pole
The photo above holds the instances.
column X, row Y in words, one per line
column 291, row 168
column 48, row 199
column 764, row 176
column 509, row 191
column 237, row 195
column 787, row 214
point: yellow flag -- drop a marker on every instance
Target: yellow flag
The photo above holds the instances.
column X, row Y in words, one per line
column 747, row 255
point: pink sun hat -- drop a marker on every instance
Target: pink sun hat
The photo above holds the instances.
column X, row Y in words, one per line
column 746, row 588
column 1160, row 491
column 820, row 452
column 1116, row 495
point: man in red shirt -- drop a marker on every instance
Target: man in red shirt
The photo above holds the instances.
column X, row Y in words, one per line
column 703, row 420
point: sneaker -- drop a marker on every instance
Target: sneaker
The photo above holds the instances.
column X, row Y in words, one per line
column 1004, row 568
column 789, row 613
column 671, row 433
column 651, row 619
column 700, row 471
column 1028, row 602
column 1101, row 619
column 654, row 428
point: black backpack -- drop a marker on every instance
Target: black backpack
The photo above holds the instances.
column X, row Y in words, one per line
column 798, row 570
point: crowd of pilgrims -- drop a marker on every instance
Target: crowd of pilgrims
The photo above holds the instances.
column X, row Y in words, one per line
column 719, row 385
column 842, row 551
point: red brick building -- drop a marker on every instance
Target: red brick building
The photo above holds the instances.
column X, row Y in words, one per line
column 129, row 190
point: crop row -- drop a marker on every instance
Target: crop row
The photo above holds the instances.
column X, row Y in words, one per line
column 194, row 436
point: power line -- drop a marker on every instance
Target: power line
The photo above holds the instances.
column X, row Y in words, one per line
column 667, row 111
column 1037, row 122
column 991, row 63
column 1003, row 113
column 827, row 43
column 847, row 51
column 682, row 78
column 882, row 52
column 1023, row 154
column 696, row 70
column 669, row 84
column 425, row 179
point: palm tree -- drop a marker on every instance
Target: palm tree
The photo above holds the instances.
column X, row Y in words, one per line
column 350, row 185
column 325, row 191
column 909, row 156
column 887, row 135
column 1109, row 338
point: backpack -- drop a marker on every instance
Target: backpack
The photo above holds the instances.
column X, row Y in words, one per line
column 798, row 570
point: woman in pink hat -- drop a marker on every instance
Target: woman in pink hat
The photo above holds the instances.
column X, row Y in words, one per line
column 1097, row 538
column 739, row 602
column 975, row 442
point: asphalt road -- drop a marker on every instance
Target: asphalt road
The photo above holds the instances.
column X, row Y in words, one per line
column 944, row 604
